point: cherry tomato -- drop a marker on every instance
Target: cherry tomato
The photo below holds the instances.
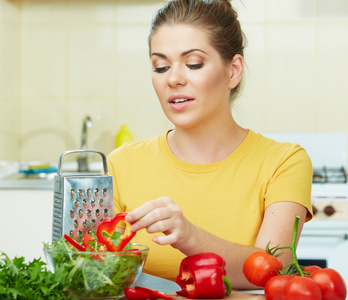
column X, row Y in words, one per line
column 331, row 284
column 260, row 266
column 133, row 294
column 275, row 286
column 311, row 269
column 302, row 288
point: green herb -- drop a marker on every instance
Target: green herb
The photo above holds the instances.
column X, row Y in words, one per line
column 87, row 276
column 23, row 281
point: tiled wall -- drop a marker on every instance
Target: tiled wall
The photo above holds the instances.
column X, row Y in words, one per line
column 62, row 60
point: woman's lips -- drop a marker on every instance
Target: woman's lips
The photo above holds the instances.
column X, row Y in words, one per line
column 179, row 102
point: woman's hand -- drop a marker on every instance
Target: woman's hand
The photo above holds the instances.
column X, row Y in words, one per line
column 162, row 215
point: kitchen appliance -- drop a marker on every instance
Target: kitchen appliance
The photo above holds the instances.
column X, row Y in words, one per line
column 324, row 240
column 81, row 200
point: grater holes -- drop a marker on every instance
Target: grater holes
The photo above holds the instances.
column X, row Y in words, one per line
column 89, row 192
column 72, row 193
column 89, row 213
column 76, row 203
column 84, row 203
column 71, row 233
column 106, row 212
column 97, row 212
column 96, row 192
column 93, row 223
column 72, row 213
column 104, row 192
column 80, row 193
column 80, row 213
column 80, row 234
column 84, row 223
column 101, row 202
column 92, row 202
column 76, row 224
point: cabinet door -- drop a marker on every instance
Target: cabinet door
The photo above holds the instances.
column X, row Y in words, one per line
column 26, row 222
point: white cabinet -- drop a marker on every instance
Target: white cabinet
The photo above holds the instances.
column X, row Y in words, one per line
column 25, row 222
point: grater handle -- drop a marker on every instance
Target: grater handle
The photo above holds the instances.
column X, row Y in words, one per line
column 60, row 162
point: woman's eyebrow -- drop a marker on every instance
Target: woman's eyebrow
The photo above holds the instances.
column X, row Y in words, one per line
column 182, row 54
column 192, row 50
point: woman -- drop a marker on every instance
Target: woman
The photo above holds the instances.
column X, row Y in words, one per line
column 209, row 185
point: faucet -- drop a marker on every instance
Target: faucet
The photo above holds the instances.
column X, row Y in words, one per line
column 82, row 160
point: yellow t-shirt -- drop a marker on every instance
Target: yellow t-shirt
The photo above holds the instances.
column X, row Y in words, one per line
column 226, row 198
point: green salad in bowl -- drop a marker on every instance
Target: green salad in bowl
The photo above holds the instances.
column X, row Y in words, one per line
column 94, row 271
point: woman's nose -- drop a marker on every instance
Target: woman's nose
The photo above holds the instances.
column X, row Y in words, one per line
column 176, row 78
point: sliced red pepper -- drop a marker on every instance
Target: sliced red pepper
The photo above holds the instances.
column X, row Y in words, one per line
column 88, row 238
column 133, row 294
column 74, row 243
column 203, row 276
column 109, row 226
column 153, row 294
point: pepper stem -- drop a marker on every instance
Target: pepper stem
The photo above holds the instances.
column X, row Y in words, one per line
column 228, row 285
column 292, row 247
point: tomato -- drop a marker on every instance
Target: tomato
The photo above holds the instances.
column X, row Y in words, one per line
column 274, row 286
column 260, row 266
column 302, row 288
column 311, row 269
column 331, row 284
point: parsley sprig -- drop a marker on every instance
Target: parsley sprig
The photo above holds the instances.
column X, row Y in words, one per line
column 30, row 280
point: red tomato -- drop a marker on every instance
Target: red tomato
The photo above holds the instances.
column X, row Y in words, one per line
column 311, row 269
column 331, row 284
column 274, row 286
column 301, row 288
column 260, row 266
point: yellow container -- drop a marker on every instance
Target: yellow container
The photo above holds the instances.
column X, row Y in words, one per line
column 123, row 136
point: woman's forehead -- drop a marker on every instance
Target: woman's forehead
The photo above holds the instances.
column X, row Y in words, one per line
column 181, row 35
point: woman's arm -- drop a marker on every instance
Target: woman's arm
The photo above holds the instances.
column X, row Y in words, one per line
column 163, row 215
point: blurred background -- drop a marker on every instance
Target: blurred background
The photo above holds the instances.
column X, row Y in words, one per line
column 63, row 60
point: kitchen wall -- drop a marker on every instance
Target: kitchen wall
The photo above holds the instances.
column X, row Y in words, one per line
column 10, row 91
column 62, row 60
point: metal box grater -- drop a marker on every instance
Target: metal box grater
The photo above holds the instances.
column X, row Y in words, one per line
column 81, row 200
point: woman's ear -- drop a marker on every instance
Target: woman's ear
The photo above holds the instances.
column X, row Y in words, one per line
column 236, row 71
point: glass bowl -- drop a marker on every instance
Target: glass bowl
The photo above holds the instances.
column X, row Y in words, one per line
column 97, row 275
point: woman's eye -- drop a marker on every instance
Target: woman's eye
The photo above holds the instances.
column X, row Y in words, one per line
column 161, row 69
column 195, row 66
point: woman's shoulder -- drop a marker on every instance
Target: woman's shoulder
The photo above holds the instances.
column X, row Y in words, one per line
column 274, row 148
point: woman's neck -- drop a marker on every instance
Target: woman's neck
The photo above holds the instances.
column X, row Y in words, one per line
column 206, row 145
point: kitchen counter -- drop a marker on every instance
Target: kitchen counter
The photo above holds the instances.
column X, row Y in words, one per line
column 11, row 178
column 236, row 295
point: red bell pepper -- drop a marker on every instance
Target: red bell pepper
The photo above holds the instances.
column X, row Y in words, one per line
column 203, row 276
column 88, row 238
column 109, row 226
column 141, row 293
column 133, row 294
column 74, row 243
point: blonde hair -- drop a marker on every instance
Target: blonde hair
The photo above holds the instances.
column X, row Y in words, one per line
column 217, row 17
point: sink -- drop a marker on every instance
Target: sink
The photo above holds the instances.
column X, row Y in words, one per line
column 14, row 178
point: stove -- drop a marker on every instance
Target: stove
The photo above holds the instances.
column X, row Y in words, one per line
column 329, row 175
column 324, row 240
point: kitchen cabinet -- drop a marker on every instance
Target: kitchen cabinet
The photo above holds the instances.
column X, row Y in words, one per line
column 26, row 221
